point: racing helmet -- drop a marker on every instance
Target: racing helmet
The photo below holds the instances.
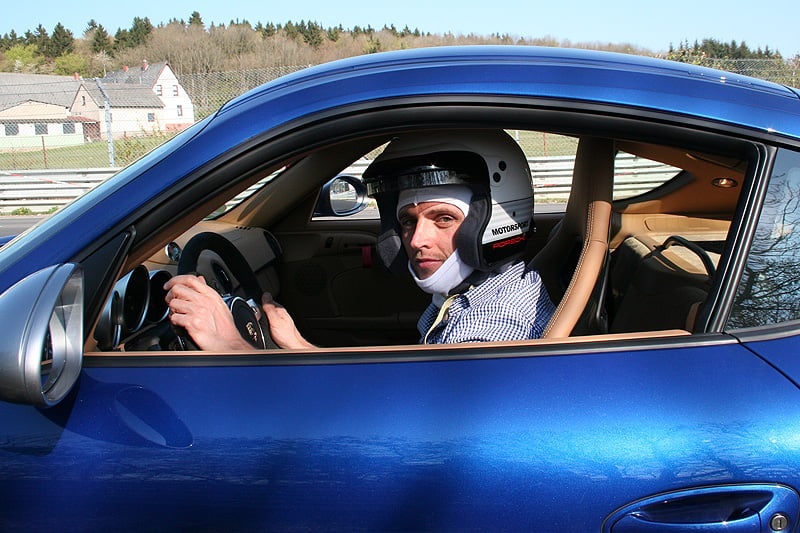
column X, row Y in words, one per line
column 489, row 162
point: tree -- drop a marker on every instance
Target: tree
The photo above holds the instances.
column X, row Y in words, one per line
column 68, row 64
column 195, row 20
column 266, row 30
column 22, row 58
column 10, row 39
column 712, row 48
column 101, row 41
column 140, row 30
column 61, row 42
column 39, row 38
column 290, row 30
column 122, row 40
column 312, row 33
column 333, row 34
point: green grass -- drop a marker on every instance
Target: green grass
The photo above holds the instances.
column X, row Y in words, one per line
column 538, row 144
column 90, row 155
column 95, row 155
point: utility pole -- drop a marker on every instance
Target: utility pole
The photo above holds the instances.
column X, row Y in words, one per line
column 109, row 136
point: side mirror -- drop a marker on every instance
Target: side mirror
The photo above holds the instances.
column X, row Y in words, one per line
column 342, row 196
column 41, row 349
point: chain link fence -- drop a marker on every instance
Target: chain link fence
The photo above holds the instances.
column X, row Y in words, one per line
column 211, row 90
column 784, row 72
column 64, row 123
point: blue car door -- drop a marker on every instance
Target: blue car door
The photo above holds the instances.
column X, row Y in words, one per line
column 528, row 436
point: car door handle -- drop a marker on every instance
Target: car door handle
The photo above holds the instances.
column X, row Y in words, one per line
column 739, row 508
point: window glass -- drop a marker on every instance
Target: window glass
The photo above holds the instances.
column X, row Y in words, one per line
column 769, row 291
column 12, row 129
column 551, row 158
column 40, row 129
column 635, row 175
column 69, row 127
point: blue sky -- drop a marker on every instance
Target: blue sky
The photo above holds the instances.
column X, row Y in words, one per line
column 648, row 25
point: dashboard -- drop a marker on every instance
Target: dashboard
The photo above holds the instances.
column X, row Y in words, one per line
column 136, row 317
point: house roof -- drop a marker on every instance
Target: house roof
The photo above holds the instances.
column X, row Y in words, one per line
column 146, row 74
column 127, row 95
column 16, row 89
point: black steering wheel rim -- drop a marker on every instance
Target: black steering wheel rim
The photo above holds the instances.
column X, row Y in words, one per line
column 229, row 254
column 238, row 266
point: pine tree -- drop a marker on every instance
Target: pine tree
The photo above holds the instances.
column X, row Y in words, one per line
column 122, row 40
column 39, row 38
column 140, row 30
column 62, row 42
column 195, row 20
column 10, row 39
column 101, row 41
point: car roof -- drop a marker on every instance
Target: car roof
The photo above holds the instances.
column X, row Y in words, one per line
column 580, row 75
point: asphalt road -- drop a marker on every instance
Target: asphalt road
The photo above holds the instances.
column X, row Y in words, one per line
column 14, row 225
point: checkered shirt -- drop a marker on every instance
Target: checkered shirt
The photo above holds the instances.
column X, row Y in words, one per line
column 511, row 305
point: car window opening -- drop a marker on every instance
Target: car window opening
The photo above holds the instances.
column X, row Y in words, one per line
column 665, row 242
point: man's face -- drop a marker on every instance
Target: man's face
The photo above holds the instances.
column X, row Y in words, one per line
column 428, row 234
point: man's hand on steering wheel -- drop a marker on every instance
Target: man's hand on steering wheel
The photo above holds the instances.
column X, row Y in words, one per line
column 281, row 325
column 200, row 310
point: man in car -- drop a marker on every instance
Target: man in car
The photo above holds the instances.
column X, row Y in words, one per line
column 456, row 208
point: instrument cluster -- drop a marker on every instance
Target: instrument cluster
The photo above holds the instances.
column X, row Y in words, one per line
column 136, row 306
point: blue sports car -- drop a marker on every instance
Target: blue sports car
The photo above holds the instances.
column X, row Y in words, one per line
column 660, row 398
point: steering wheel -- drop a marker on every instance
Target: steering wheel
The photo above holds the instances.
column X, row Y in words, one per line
column 247, row 315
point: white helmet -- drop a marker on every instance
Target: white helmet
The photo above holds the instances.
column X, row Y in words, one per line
column 489, row 162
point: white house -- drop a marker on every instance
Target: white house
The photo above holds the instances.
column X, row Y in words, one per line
column 35, row 112
column 133, row 110
column 42, row 110
column 178, row 110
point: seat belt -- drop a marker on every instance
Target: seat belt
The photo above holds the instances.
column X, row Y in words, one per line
column 442, row 316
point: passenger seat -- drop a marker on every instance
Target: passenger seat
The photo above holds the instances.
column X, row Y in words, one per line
column 659, row 283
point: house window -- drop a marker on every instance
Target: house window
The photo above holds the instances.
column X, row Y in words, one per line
column 68, row 127
column 83, row 100
column 159, row 90
column 12, row 129
column 174, row 90
column 40, row 128
column 180, row 110
column 151, row 117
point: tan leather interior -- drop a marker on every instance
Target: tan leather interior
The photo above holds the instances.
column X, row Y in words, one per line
column 654, row 287
column 585, row 227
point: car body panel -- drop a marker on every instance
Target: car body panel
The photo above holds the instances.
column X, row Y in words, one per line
column 778, row 350
column 484, row 444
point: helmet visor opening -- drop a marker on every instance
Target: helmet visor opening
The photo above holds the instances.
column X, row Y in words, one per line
column 428, row 170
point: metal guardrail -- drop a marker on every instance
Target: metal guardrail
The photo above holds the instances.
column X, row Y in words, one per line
column 41, row 191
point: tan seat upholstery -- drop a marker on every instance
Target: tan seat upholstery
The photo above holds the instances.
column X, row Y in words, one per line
column 574, row 257
column 658, row 285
